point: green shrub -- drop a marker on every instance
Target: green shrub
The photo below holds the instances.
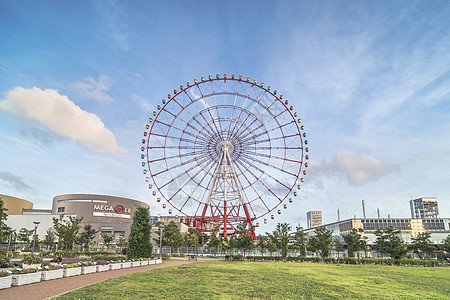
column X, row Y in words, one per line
column 28, row 259
column 26, row 271
column 5, row 262
column 350, row 260
column 110, row 257
column 4, row 273
column 50, row 267
column 74, row 265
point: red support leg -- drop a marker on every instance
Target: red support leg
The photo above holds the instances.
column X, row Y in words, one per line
column 249, row 220
column 199, row 227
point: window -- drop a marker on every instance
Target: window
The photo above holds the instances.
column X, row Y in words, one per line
column 61, row 209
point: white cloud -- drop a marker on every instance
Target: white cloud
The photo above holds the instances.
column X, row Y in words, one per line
column 359, row 169
column 14, row 181
column 95, row 90
column 59, row 114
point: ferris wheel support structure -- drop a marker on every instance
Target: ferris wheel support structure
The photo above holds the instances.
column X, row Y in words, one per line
column 224, row 182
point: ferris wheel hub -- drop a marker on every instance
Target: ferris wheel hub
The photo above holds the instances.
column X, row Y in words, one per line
column 224, row 146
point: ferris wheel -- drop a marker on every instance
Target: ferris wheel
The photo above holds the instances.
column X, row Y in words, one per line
column 224, row 151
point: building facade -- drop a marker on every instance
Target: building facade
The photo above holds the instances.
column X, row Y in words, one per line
column 313, row 219
column 15, row 205
column 107, row 214
column 424, row 208
column 409, row 228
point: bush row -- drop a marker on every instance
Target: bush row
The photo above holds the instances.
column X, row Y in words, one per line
column 349, row 260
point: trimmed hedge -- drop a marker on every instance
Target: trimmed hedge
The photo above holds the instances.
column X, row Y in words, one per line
column 350, row 260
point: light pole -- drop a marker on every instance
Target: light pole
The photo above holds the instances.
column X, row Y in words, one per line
column 160, row 241
column 34, row 237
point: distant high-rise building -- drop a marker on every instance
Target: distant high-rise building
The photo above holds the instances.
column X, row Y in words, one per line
column 424, row 208
column 313, row 219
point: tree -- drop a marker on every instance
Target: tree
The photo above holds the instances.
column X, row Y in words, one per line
column 281, row 237
column 139, row 240
column 214, row 240
column 3, row 217
column 190, row 239
column 446, row 244
column 9, row 235
column 356, row 241
column 172, row 236
column 300, row 240
column 122, row 243
column 66, row 230
column 338, row 246
column 25, row 236
column 262, row 243
column 224, row 244
column 321, row 241
column 107, row 239
column 242, row 239
column 390, row 243
column 271, row 246
column 422, row 244
column 87, row 235
column 49, row 238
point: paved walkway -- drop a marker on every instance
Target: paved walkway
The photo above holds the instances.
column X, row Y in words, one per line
column 52, row 288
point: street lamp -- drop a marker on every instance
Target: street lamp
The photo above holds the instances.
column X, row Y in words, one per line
column 34, row 237
column 160, row 240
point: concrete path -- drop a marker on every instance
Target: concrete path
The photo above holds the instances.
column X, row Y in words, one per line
column 52, row 288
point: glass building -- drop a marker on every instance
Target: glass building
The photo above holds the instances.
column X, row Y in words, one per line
column 423, row 208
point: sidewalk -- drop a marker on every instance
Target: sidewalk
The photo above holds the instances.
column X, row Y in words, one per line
column 52, row 288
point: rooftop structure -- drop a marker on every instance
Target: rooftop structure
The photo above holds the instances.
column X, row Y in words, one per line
column 313, row 219
column 424, row 208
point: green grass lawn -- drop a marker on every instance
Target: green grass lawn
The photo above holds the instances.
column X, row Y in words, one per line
column 274, row 280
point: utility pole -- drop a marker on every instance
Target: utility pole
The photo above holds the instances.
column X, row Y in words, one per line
column 160, row 240
column 34, row 237
column 364, row 209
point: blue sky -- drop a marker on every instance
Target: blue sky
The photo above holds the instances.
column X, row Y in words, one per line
column 370, row 79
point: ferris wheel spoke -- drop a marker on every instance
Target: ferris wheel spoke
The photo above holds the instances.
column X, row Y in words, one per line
column 276, row 157
column 177, row 177
column 202, row 98
column 170, row 147
column 174, row 138
column 270, row 148
column 199, row 185
column 232, row 111
column 276, row 138
column 268, row 173
column 178, row 156
column 188, row 125
column 251, row 185
column 269, row 165
column 182, row 164
column 192, row 178
column 217, row 108
column 242, row 109
column 235, row 131
column 181, row 130
column 264, row 123
column 193, row 118
column 245, row 136
column 262, row 182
